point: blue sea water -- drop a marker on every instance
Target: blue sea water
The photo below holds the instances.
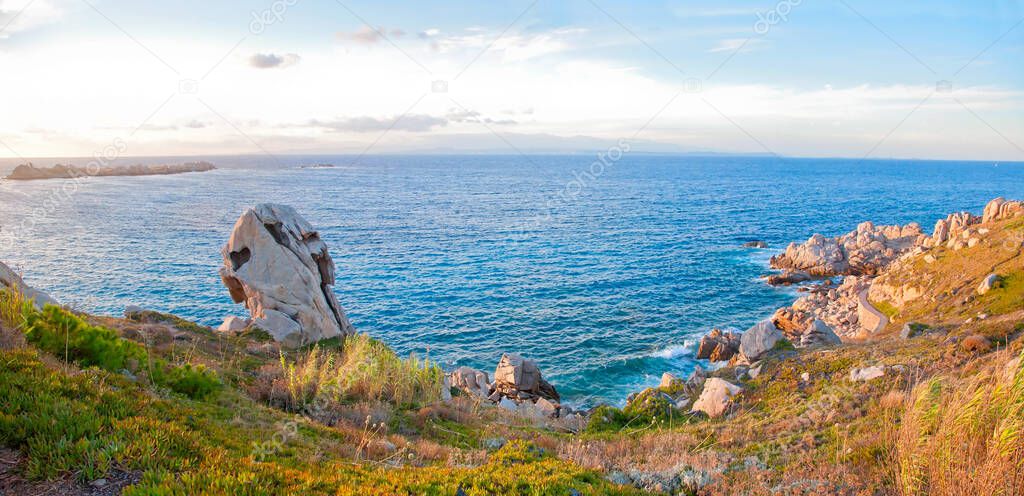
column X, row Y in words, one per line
column 607, row 279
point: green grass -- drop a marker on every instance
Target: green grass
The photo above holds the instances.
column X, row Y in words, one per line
column 886, row 308
column 1007, row 296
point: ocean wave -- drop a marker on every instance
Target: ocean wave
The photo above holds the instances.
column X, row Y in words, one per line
column 674, row 351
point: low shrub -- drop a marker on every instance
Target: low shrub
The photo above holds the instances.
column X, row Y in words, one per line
column 67, row 336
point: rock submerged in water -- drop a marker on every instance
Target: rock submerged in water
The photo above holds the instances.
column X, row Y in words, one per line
column 755, row 244
column 11, row 280
column 276, row 264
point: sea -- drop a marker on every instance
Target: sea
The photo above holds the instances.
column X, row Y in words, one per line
column 604, row 269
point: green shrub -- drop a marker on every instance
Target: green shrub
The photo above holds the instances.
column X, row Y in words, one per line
column 60, row 333
column 195, row 382
column 67, row 336
column 606, row 418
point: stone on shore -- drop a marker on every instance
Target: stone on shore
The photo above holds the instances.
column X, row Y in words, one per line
column 11, row 280
column 758, row 340
column 718, row 346
column 520, row 379
column 716, row 398
column 276, row 264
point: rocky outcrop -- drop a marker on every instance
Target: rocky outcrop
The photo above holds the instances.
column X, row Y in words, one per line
column 863, row 251
column 276, row 264
column 758, row 340
column 960, row 230
column 716, row 398
column 718, row 346
column 27, row 172
column 519, row 379
column 1000, row 209
column 471, row 381
column 11, row 280
column 755, row 244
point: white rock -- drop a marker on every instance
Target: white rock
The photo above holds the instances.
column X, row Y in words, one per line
column 231, row 324
column 988, row 283
column 806, row 377
column 716, row 397
column 867, row 373
column 758, row 340
column 276, row 264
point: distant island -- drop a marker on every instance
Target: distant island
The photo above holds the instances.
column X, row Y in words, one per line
column 317, row 166
column 27, row 172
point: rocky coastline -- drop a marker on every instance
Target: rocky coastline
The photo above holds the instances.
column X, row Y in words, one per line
column 29, row 172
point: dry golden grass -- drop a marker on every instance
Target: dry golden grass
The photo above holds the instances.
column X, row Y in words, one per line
column 365, row 371
column 12, row 317
column 965, row 435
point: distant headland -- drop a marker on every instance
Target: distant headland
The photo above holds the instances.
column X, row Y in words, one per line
column 27, row 172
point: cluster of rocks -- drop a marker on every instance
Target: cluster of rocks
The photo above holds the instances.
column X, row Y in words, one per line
column 718, row 346
column 864, row 251
column 277, row 265
column 836, row 306
column 963, row 229
column 518, row 386
column 27, row 172
column 12, row 281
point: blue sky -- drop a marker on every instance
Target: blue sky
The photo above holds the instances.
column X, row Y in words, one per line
column 848, row 78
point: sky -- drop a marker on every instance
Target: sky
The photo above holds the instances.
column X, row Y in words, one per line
column 815, row 78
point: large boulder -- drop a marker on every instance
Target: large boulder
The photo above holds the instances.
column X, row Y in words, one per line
column 276, row 264
column 758, row 340
column 11, row 280
column 520, row 379
column 716, row 398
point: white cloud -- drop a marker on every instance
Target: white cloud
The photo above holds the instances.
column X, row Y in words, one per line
column 23, row 15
